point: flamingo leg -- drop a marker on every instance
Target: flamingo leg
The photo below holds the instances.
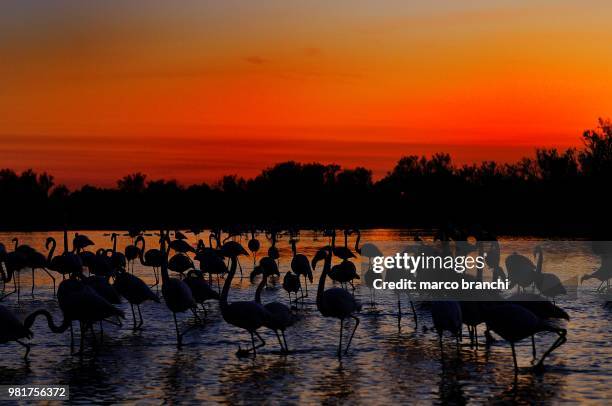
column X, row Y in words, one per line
column 27, row 347
column 399, row 314
column 260, row 339
column 414, row 314
column 306, row 285
column 195, row 314
column 279, row 341
column 253, row 344
column 340, row 342
column 285, row 341
column 32, row 282
column 71, row 339
column 352, row 334
column 514, row 359
column 82, row 338
column 178, row 335
column 52, row 278
column 533, row 347
column 133, row 317
column 140, row 317
column 560, row 341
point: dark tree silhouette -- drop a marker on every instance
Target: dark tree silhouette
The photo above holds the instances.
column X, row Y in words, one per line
column 555, row 192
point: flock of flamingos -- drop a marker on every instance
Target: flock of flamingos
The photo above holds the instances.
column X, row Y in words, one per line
column 93, row 283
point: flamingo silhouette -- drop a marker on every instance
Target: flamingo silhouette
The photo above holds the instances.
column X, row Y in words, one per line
column 200, row 290
column 344, row 252
column 548, row 284
column 539, row 306
column 370, row 251
column 335, row 302
column 515, row 323
column 12, row 329
column 152, row 258
column 447, row 316
column 292, row 284
column 247, row 315
column 279, row 316
column 300, row 265
column 78, row 302
column 176, row 293
column 603, row 274
column 135, row 291
column 254, row 246
column 80, row 242
column 521, row 271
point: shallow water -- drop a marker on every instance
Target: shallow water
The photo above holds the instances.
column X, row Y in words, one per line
column 383, row 365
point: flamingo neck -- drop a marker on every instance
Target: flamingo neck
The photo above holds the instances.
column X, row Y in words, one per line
column 51, row 251
column 141, row 250
column 321, row 287
column 540, row 262
column 164, row 262
column 228, row 284
column 357, row 241
column 260, row 287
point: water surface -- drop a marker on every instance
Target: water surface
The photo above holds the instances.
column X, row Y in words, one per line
column 383, row 365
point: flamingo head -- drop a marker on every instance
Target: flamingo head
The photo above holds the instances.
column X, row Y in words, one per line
column 321, row 254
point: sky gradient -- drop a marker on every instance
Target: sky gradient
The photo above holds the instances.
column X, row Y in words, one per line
column 93, row 90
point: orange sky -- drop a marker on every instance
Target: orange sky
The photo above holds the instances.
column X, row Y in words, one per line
column 93, row 90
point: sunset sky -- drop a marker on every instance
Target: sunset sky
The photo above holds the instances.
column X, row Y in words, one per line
column 90, row 91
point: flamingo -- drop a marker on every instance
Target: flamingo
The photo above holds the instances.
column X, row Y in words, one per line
column 67, row 263
column 515, row 323
column 34, row 260
column 300, row 265
column 176, row 293
column 131, row 252
column 152, row 258
column 279, row 316
column 14, row 262
column 135, row 291
column 548, row 284
column 291, row 284
column 521, row 271
column 118, row 259
column 370, row 251
column 80, row 242
column 78, row 302
column 247, row 315
column 343, row 253
column 603, row 274
column 210, row 262
column 539, row 306
column 201, row 290
column 12, row 329
column 344, row 272
column 335, row 302
column 180, row 263
column 447, row 316
column 254, row 246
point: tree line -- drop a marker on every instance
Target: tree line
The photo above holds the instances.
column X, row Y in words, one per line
column 554, row 192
